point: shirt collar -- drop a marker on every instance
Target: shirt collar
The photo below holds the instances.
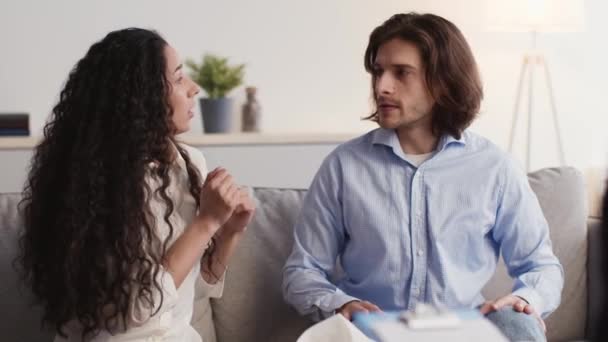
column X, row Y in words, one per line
column 448, row 139
column 179, row 161
column 388, row 137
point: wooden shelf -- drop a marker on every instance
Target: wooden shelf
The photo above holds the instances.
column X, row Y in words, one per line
column 20, row 143
column 17, row 143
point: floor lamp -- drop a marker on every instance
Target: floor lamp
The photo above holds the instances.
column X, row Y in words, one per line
column 530, row 63
column 534, row 17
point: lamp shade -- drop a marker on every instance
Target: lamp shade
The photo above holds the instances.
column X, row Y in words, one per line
column 535, row 15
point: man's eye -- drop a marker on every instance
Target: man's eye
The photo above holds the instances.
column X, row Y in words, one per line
column 402, row 72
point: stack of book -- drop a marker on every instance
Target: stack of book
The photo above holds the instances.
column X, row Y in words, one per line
column 14, row 124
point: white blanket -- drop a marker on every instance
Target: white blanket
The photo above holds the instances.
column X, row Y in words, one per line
column 334, row 329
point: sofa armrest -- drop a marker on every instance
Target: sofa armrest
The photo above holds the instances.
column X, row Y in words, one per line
column 595, row 277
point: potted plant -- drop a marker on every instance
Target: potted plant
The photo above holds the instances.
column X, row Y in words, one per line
column 217, row 79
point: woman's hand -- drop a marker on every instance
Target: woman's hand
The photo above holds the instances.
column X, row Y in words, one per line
column 218, row 200
column 241, row 216
column 228, row 238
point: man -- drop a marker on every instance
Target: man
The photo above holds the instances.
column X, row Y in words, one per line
column 419, row 209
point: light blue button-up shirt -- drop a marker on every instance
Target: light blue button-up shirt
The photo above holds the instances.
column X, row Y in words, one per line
column 406, row 234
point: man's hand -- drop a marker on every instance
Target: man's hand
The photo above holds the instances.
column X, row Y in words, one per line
column 518, row 305
column 347, row 310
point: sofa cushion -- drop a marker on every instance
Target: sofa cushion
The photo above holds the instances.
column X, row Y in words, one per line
column 252, row 306
column 19, row 320
column 561, row 194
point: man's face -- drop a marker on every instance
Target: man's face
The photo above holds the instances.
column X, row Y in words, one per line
column 401, row 93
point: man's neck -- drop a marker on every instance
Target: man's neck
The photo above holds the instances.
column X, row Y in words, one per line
column 417, row 140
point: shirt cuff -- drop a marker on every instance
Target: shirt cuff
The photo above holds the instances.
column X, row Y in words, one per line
column 532, row 297
column 332, row 302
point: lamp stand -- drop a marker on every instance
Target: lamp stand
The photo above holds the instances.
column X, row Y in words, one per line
column 530, row 62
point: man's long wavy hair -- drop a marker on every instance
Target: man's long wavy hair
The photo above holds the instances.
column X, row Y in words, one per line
column 450, row 69
column 89, row 245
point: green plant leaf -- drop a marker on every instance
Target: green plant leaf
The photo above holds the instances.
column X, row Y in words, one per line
column 215, row 76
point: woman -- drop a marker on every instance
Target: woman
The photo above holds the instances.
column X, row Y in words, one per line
column 118, row 221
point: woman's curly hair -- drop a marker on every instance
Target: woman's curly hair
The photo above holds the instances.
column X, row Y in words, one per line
column 89, row 245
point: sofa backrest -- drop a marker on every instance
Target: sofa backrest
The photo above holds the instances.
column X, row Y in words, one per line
column 561, row 194
column 252, row 307
column 19, row 320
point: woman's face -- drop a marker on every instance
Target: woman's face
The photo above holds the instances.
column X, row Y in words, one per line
column 182, row 91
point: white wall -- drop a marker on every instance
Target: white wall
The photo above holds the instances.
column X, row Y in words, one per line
column 290, row 166
column 306, row 59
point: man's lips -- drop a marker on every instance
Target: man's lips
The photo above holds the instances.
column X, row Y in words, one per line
column 388, row 106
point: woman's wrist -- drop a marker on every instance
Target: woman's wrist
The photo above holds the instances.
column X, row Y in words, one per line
column 214, row 265
column 206, row 225
column 218, row 264
column 213, row 268
column 218, row 267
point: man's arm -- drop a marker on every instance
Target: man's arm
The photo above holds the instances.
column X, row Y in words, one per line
column 523, row 235
column 319, row 237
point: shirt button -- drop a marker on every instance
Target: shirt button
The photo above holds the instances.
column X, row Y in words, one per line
column 419, row 252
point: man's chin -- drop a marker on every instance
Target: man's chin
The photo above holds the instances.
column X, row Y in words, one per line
column 388, row 124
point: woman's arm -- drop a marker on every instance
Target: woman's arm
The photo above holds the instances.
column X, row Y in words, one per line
column 186, row 250
column 214, row 266
column 219, row 198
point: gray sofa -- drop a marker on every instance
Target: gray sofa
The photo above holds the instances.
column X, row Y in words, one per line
column 252, row 308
